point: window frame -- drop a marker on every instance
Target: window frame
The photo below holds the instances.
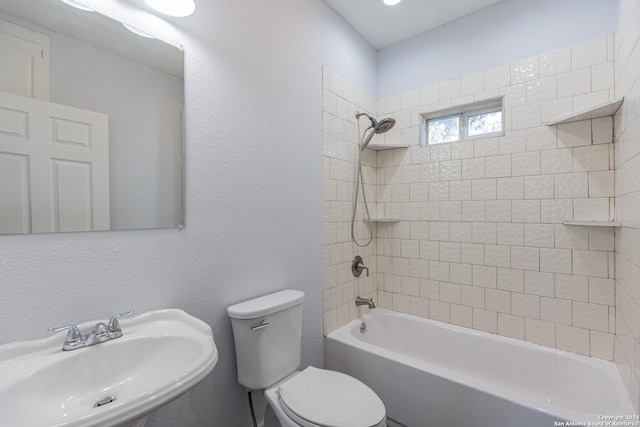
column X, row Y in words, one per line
column 463, row 113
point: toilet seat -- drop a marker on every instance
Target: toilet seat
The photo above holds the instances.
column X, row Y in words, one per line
column 323, row 398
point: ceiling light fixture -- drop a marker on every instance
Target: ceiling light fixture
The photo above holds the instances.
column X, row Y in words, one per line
column 391, row 2
column 77, row 5
column 177, row 8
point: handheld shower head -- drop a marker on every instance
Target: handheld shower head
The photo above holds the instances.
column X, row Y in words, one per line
column 376, row 127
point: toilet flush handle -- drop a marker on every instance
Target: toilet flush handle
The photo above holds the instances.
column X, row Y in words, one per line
column 261, row 325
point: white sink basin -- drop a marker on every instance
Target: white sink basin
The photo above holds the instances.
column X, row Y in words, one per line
column 161, row 355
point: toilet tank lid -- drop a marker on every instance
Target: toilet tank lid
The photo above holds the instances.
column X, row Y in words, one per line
column 265, row 305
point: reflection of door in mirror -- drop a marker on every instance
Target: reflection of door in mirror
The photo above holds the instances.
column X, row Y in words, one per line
column 24, row 69
column 54, row 167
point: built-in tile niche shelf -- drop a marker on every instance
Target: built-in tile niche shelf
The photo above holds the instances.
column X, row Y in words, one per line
column 602, row 110
column 383, row 220
column 379, row 147
column 593, row 223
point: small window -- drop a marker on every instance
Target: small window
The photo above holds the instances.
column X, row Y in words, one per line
column 472, row 121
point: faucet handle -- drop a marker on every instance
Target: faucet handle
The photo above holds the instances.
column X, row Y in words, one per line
column 114, row 324
column 74, row 337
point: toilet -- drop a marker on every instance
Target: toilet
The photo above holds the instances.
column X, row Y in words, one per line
column 267, row 334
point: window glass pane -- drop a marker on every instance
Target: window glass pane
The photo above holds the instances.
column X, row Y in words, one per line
column 479, row 124
column 446, row 129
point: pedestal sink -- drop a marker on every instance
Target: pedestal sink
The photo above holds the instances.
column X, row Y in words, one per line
column 160, row 356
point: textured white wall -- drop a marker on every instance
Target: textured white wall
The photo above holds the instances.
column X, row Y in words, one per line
column 253, row 194
column 500, row 34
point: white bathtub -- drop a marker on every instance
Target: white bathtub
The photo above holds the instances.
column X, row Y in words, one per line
column 432, row 374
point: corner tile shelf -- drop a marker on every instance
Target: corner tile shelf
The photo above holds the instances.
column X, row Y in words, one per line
column 593, row 223
column 602, row 110
column 379, row 147
column 383, row 220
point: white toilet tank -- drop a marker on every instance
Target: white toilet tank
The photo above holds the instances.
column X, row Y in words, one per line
column 267, row 334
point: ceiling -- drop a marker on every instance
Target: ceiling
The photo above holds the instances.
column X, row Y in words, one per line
column 384, row 25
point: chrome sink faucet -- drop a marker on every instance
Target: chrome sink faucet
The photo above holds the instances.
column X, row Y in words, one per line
column 99, row 333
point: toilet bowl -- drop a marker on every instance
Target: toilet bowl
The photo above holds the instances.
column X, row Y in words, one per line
column 323, row 398
column 267, row 335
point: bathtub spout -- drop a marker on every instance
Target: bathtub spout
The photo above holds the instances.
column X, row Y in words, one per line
column 364, row 301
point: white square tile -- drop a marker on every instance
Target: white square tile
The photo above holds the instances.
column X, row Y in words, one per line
column 556, row 210
column 525, row 163
column 591, row 316
column 498, row 210
column 556, row 161
column 461, row 315
column 525, row 211
column 439, row 311
column 574, row 134
column 541, row 90
column 589, row 53
column 460, row 190
column 540, row 332
column 569, row 237
column 541, row 138
column 591, row 158
column 510, row 188
column 539, row 187
column 539, row 283
column 498, row 166
column 602, row 76
column 602, row 130
column 539, row 235
column 555, row 260
column 484, row 232
column 439, row 270
column 419, row 307
column 496, row 300
column 510, row 234
column 483, row 189
column 572, row 287
column 498, row 255
column 591, row 263
column 439, row 191
column 473, row 210
column 574, row 83
column 555, row 62
column 460, row 273
column 511, row 326
column 485, row 320
column 525, row 117
column 429, row 94
column 524, row 70
column 450, row 292
column 594, row 209
column 601, row 291
column 601, row 239
column 525, row 258
column 473, row 168
column 514, row 95
column 451, row 211
column 511, row 280
column 472, row 253
column 524, row 305
column 602, row 345
column 571, row 185
column 472, row 296
column 550, row 111
column 556, row 310
column 461, row 232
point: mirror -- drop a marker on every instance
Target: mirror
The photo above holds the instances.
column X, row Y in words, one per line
column 91, row 123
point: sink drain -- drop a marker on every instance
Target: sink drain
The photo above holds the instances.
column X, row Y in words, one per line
column 104, row 401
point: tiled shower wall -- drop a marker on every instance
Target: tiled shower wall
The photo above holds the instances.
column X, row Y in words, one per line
column 341, row 130
column 627, row 141
column 481, row 241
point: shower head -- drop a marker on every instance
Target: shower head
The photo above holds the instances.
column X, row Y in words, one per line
column 376, row 127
